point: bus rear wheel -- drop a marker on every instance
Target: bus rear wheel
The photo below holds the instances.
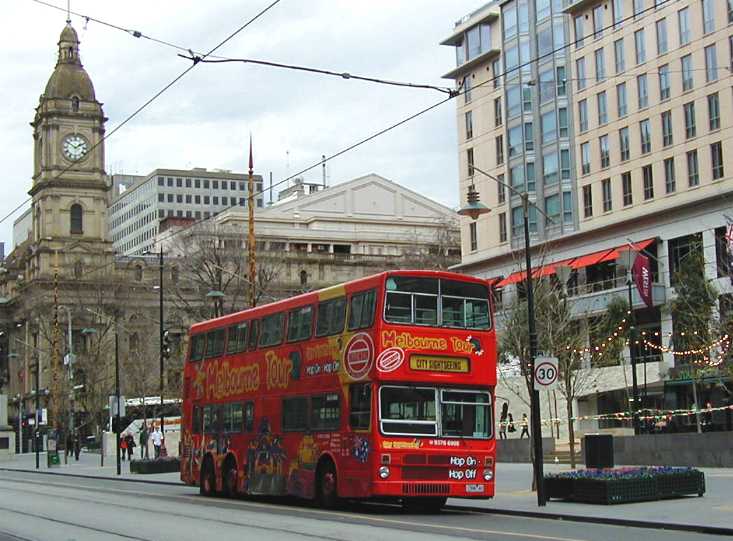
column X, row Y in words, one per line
column 326, row 487
column 428, row 505
column 207, row 484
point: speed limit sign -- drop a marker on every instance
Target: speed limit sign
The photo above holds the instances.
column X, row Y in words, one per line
column 545, row 373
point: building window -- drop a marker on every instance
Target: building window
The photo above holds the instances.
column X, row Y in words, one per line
column 549, row 127
column 667, row 138
column 683, row 22
column 598, row 21
column 188, row 199
column 179, row 183
column 618, row 55
column 530, row 177
column 528, row 137
column 516, row 177
column 76, row 219
column 687, row 76
column 714, row 111
column 583, row 115
column 664, row 91
column 643, row 91
column 527, row 99
column 502, row 227
column 603, row 147
column 550, row 167
column 473, row 235
column 708, row 16
column 499, row 141
column 638, row 7
column 498, row 120
column 618, row 13
column 693, row 171
column 552, row 210
column 646, row 136
column 730, row 11
column 580, row 72
column 547, row 86
column 587, row 201
column 161, row 181
column 514, row 142
column 561, row 80
column 607, row 202
column 626, row 187
column 579, row 32
column 621, row 101
column 469, row 126
column 496, row 72
column 690, row 127
column 469, row 166
column 640, row 44
column 624, row 143
column 600, row 66
column 562, row 117
column 170, row 182
column 161, row 197
column 170, row 198
column 501, row 190
column 585, row 158
column 467, row 89
column 716, row 158
column 565, row 163
column 567, row 208
column 648, row 182
column 662, row 36
column 602, row 108
column 711, row 63
column 513, row 101
column 670, row 183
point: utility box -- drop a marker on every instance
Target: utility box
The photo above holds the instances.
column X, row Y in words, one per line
column 599, row 451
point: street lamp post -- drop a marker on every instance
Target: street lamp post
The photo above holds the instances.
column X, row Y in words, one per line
column 474, row 209
column 162, row 333
column 117, row 397
column 627, row 255
column 70, row 367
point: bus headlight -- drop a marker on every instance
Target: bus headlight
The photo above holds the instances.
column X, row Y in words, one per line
column 383, row 472
column 488, row 475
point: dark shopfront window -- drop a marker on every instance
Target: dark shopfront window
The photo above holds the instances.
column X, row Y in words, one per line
column 678, row 395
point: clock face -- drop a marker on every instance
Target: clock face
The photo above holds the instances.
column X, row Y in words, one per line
column 75, row 147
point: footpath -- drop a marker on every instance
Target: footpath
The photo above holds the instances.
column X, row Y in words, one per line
column 712, row 513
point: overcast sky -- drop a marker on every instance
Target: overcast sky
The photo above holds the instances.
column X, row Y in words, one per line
column 205, row 119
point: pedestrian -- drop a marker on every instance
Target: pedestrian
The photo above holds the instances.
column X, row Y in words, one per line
column 130, row 445
column 525, row 426
column 510, row 423
column 77, row 446
column 157, row 438
column 123, row 447
column 503, row 421
column 144, row 441
column 69, row 445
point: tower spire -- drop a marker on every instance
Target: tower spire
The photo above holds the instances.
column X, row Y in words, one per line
column 68, row 11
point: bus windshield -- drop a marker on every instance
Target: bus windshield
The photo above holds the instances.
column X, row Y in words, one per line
column 437, row 302
column 412, row 411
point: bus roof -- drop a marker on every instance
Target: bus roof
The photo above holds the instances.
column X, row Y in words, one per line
column 313, row 296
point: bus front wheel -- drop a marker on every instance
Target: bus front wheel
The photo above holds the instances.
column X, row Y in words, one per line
column 207, row 485
column 424, row 505
column 326, row 488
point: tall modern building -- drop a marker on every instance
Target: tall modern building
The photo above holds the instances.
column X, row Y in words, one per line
column 613, row 115
column 139, row 203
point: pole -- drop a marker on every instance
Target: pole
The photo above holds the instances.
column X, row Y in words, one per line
column 535, row 395
column 632, row 355
column 70, row 430
column 54, row 412
column 162, row 332
column 38, row 406
column 117, row 396
column 251, row 231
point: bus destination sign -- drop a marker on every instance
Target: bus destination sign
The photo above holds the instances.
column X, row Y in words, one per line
column 434, row 363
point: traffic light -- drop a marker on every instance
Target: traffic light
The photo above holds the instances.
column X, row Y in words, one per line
column 166, row 347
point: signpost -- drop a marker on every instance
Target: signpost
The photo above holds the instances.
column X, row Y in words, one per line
column 545, row 373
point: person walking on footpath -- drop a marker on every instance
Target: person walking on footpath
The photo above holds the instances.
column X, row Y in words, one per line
column 130, row 445
column 510, row 423
column 123, row 447
column 144, row 441
column 77, row 446
column 503, row 421
column 525, row 426
column 157, row 441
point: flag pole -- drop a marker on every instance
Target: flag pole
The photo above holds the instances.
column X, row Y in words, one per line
column 251, row 231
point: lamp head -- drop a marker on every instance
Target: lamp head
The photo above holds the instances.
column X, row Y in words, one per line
column 473, row 208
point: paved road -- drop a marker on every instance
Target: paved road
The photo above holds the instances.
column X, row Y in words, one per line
column 42, row 507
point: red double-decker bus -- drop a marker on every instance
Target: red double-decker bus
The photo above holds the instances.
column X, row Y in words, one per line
column 377, row 388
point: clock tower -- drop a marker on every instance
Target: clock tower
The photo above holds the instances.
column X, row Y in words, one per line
column 70, row 188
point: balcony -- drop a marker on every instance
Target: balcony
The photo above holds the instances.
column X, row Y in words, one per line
column 593, row 298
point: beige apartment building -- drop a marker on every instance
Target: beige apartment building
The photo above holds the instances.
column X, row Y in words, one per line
column 615, row 116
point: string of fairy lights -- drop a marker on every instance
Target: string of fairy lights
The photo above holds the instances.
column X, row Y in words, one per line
column 644, row 415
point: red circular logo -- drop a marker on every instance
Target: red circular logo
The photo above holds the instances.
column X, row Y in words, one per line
column 390, row 359
column 358, row 355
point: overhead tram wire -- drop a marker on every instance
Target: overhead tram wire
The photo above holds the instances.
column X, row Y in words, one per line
column 423, row 111
column 155, row 96
column 409, row 118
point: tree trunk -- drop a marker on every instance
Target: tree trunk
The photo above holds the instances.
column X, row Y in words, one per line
column 697, row 406
column 571, row 432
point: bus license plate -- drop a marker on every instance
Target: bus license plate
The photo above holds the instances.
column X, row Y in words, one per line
column 474, row 488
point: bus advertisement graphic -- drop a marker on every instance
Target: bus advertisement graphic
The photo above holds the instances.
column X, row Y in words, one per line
column 358, row 356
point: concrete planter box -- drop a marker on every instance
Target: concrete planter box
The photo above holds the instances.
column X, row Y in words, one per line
column 625, row 486
column 161, row 465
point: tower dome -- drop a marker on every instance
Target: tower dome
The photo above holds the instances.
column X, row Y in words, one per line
column 69, row 79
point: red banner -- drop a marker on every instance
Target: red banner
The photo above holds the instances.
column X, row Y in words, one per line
column 641, row 272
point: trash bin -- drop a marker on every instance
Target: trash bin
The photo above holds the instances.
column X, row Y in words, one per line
column 599, row 451
column 53, row 459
